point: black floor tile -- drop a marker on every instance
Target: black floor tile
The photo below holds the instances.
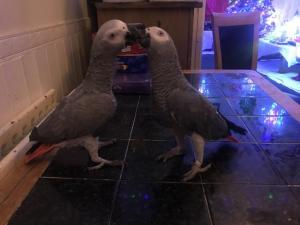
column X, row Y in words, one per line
column 146, row 127
column 120, row 125
column 222, row 105
column 127, row 101
column 296, row 192
column 229, row 78
column 142, row 163
column 68, row 202
column 286, row 158
column 74, row 163
column 145, row 104
column 261, row 205
column 253, row 106
column 242, row 90
column 274, row 129
column 160, row 204
column 151, row 192
column 238, row 163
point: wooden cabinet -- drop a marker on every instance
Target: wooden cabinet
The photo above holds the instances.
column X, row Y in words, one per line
column 182, row 20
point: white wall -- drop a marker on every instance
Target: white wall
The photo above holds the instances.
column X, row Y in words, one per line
column 43, row 45
column 23, row 15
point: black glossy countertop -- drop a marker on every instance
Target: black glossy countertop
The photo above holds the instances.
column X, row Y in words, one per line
column 256, row 181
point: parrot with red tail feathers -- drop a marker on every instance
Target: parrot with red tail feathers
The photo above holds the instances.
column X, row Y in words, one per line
column 180, row 106
column 88, row 108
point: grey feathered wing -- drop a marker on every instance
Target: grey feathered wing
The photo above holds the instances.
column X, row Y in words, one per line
column 76, row 116
column 193, row 113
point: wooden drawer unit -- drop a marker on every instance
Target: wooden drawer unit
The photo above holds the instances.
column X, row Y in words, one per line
column 182, row 20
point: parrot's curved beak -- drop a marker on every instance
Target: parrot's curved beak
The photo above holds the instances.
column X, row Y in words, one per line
column 145, row 41
column 135, row 33
column 129, row 39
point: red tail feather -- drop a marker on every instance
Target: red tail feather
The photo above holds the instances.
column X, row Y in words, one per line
column 41, row 150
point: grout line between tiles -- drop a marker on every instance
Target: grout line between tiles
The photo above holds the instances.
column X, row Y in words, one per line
column 171, row 182
column 121, row 173
column 294, row 193
column 130, row 134
column 274, row 168
column 76, row 178
column 220, row 141
column 209, row 211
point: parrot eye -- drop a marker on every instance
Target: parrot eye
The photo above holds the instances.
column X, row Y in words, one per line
column 112, row 36
column 160, row 33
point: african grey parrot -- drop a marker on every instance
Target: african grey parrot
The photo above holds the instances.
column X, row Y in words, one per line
column 87, row 109
column 179, row 106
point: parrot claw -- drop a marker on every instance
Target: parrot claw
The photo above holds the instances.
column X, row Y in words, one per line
column 99, row 166
column 110, row 163
column 170, row 154
column 196, row 168
column 105, row 143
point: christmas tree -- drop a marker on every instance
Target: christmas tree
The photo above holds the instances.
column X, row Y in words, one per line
column 264, row 6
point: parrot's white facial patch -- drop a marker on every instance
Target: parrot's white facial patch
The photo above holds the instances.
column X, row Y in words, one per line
column 158, row 35
column 116, row 36
column 113, row 33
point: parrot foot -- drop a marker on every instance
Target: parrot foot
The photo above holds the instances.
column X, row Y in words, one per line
column 105, row 143
column 170, row 154
column 106, row 162
column 196, row 168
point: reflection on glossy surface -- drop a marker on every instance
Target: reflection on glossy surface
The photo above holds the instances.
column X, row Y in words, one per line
column 275, row 115
column 248, row 105
column 195, row 79
column 256, row 106
column 245, row 90
column 210, row 90
column 276, row 121
column 274, row 129
column 247, row 80
column 232, row 78
column 203, row 88
column 242, row 187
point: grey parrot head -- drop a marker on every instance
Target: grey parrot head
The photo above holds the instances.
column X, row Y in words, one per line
column 110, row 38
column 158, row 42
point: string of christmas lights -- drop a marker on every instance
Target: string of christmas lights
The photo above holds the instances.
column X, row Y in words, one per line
column 264, row 6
